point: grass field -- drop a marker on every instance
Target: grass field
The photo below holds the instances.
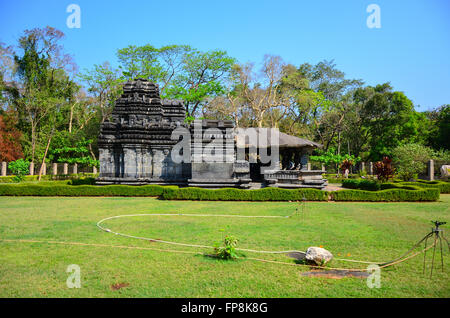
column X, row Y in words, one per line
column 362, row 231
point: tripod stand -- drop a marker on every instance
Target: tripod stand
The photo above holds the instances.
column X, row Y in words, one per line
column 438, row 235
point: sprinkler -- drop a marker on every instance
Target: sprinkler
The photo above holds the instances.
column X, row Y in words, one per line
column 438, row 235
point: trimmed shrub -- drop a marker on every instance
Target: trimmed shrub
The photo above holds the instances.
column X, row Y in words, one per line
column 81, row 190
column 444, row 187
column 388, row 195
column 82, row 181
column 9, row 179
column 231, row 194
column 362, row 184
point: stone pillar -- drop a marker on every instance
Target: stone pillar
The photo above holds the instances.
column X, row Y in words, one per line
column 157, row 163
column 139, row 157
column 44, row 169
column 146, row 163
column 371, row 168
column 94, row 169
column 308, row 166
column 363, row 168
column 4, row 169
column 323, row 168
column 108, row 162
column 55, row 169
column 431, row 170
column 130, row 165
column 66, row 168
column 75, row 169
column 31, row 168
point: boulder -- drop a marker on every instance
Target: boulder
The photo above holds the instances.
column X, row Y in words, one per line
column 318, row 255
column 445, row 171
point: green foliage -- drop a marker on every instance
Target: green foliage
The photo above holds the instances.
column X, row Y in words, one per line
column 228, row 250
column 440, row 128
column 410, row 159
column 330, row 156
column 80, row 190
column 79, row 154
column 82, row 181
column 383, row 169
column 19, row 168
column 370, row 185
column 231, row 194
column 393, row 194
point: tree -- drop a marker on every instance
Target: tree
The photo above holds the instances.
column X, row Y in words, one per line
column 104, row 83
column 439, row 135
column 410, row 160
column 200, row 79
column 387, row 119
column 41, row 86
column 10, row 147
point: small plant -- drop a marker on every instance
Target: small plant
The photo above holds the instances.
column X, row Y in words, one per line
column 19, row 168
column 383, row 169
column 346, row 164
column 228, row 250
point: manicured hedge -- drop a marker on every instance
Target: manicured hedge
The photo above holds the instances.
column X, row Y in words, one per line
column 406, row 193
column 371, row 185
column 9, row 179
column 81, row 190
column 231, row 194
column 443, row 186
column 361, row 184
column 389, row 192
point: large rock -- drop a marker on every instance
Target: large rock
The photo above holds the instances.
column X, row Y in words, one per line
column 318, row 255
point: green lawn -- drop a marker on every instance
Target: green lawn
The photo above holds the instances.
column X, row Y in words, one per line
column 366, row 231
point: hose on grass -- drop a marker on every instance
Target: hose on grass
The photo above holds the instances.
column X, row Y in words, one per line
column 397, row 260
column 198, row 253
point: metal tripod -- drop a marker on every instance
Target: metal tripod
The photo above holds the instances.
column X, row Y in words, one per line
column 438, row 235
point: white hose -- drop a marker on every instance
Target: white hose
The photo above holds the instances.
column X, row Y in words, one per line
column 207, row 246
column 191, row 245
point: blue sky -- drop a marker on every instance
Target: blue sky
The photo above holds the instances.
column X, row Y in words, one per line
column 411, row 49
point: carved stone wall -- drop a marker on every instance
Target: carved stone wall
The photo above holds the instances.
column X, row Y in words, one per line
column 135, row 144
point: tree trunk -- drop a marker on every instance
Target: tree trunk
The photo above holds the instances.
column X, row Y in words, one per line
column 45, row 155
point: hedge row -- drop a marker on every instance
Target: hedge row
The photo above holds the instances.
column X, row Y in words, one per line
column 388, row 195
column 371, row 185
column 392, row 192
column 361, row 184
column 81, row 190
column 9, row 179
column 231, row 194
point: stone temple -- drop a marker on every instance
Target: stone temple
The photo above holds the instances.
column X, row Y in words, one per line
column 136, row 145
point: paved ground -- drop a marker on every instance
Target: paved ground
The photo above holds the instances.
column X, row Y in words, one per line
column 333, row 187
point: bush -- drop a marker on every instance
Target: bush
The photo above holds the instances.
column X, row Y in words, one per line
column 410, row 160
column 370, row 185
column 389, row 195
column 228, row 250
column 444, row 187
column 82, row 181
column 19, row 168
column 48, row 177
column 81, row 190
column 231, row 194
